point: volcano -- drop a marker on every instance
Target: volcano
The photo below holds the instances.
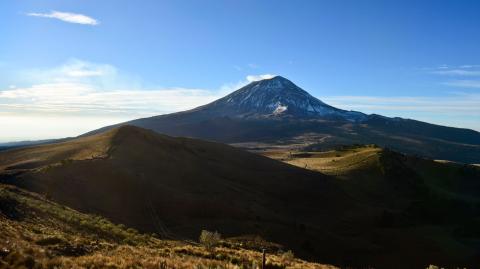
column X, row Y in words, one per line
column 278, row 111
column 275, row 97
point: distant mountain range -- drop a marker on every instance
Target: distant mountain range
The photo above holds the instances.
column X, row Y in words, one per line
column 26, row 143
column 277, row 111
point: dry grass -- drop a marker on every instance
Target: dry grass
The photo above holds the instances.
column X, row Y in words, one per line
column 152, row 181
column 37, row 233
column 84, row 148
column 334, row 162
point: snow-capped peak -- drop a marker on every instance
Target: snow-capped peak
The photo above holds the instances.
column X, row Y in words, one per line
column 276, row 96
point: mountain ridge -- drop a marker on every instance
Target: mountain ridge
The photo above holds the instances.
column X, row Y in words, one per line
column 261, row 112
column 265, row 112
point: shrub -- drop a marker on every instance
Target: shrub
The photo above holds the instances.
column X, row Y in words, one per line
column 210, row 239
column 288, row 256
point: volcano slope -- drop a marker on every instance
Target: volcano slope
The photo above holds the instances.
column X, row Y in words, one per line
column 176, row 187
column 276, row 111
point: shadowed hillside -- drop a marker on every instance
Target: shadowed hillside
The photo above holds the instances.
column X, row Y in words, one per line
column 37, row 233
column 417, row 197
column 176, row 187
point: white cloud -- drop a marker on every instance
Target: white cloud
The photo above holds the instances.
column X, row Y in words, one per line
column 78, row 99
column 77, row 68
column 230, row 87
column 252, row 78
column 61, row 110
column 74, row 70
column 64, row 109
column 67, row 17
column 70, row 101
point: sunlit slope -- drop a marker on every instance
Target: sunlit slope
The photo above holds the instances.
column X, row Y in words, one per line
column 370, row 164
column 85, row 148
column 334, row 162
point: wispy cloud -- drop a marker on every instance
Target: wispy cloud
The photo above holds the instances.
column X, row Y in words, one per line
column 458, row 75
column 80, row 96
column 454, row 110
column 77, row 69
column 75, row 98
column 451, row 104
column 457, row 72
column 252, row 78
column 67, row 17
column 84, row 87
column 475, row 84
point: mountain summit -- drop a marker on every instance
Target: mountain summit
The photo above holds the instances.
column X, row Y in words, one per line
column 276, row 97
column 278, row 111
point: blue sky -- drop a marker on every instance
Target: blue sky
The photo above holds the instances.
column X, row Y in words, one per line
column 70, row 66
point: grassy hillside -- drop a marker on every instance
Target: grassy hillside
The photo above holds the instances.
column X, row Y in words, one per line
column 175, row 187
column 37, row 233
column 371, row 165
column 436, row 200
